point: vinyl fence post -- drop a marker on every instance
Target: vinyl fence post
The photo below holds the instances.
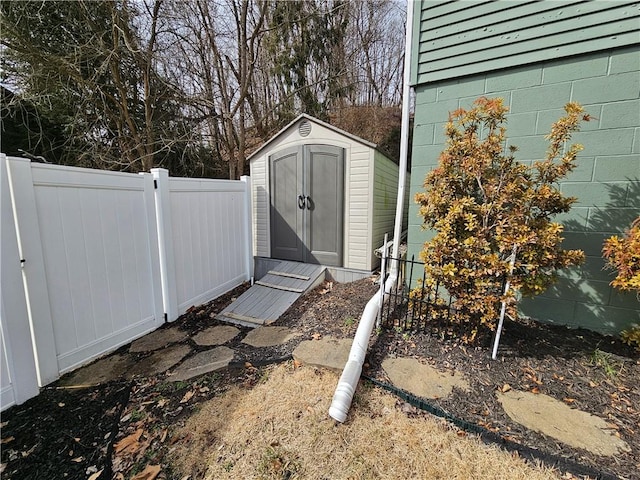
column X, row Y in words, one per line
column 14, row 319
column 23, row 200
column 249, row 233
column 165, row 243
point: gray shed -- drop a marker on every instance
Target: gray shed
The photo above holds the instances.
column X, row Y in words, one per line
column 321, row 195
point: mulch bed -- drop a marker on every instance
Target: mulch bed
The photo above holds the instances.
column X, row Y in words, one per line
column 121, row 428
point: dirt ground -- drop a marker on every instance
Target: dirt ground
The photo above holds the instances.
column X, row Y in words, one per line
column 118, row 430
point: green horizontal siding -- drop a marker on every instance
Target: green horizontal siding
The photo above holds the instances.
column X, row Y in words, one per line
column 454, row 39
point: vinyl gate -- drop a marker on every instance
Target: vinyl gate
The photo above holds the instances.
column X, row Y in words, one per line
column 102, row 258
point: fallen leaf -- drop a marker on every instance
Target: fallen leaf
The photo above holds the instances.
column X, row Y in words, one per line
column 187, row 396
column 297, row 364
column 7, row 440
column 204, row 389
column 149, row 473
column 593, row 384
column 505, row 388
column 568, row 400
column 163, row 437
column 317, row 336
column 535, row 390
column 162, row 402
column 4, row 424
column 61, row 404
column 129, row 443
column 96, row 475
column 78, row 459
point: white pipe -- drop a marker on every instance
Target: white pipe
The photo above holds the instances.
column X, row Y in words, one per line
column 351, row 374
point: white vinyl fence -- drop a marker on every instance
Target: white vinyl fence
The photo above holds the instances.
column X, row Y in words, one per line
column 102, row 258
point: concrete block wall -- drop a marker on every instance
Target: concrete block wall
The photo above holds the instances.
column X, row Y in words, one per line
column 606, row 181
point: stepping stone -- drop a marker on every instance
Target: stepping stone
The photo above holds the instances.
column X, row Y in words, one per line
column 269, row 336
column 327, row 352
column 215, row 335
column 422, row 380
column 158, row 339
column 161, row 361
column 201, row 363
column 554, row 418
column 104, row 370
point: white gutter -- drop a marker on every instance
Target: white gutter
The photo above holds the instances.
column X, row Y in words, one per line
column 351, row 374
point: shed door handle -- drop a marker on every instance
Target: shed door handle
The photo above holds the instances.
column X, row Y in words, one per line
column 301, row 202
column 309, row 203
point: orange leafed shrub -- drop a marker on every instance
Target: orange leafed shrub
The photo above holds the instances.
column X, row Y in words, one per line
column 623, row 255
column 484, row 205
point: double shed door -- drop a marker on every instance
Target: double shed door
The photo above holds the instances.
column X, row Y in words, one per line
column 307, row 200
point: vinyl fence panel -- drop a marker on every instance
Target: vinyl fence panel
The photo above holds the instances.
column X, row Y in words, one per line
column 206, row 237
column 93, row 259
column 98, row 283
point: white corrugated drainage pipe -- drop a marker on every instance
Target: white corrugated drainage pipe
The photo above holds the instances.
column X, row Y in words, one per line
column 351, row 374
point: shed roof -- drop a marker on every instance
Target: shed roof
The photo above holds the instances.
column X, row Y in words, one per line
column 316, row 121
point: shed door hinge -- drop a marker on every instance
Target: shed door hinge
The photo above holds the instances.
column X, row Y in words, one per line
column 155, row 184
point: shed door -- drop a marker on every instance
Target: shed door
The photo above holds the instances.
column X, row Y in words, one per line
column 307, row 198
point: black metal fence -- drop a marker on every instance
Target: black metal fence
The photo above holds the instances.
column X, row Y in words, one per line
column 416, row 303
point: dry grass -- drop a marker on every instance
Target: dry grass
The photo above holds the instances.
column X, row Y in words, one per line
column 281, row 430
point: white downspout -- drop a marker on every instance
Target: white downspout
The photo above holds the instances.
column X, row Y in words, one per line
column 349, row 380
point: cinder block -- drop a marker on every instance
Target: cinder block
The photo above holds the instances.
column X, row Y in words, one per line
column 596, row 194
column 606, row 142
column 633, row 194
column 575, row 220
column 625, row 60
column 572, row 69
column 439, row 112
column 513, row 79
column 589, row 242
column 545, row 97
column 610, row 220
column 548, row 117
column 580, row 290
column 594, row 268
column 624, row 167
column 546, row 309
column 583, row 171
column 529, row 148
column 467, row 101
column 624, row 299
column 521, row 124
column 426, row 154
column 611, row 88
column 457, row 88
column 621, row 114
column 425, row 94
column 606, row 319
column 423, row 134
